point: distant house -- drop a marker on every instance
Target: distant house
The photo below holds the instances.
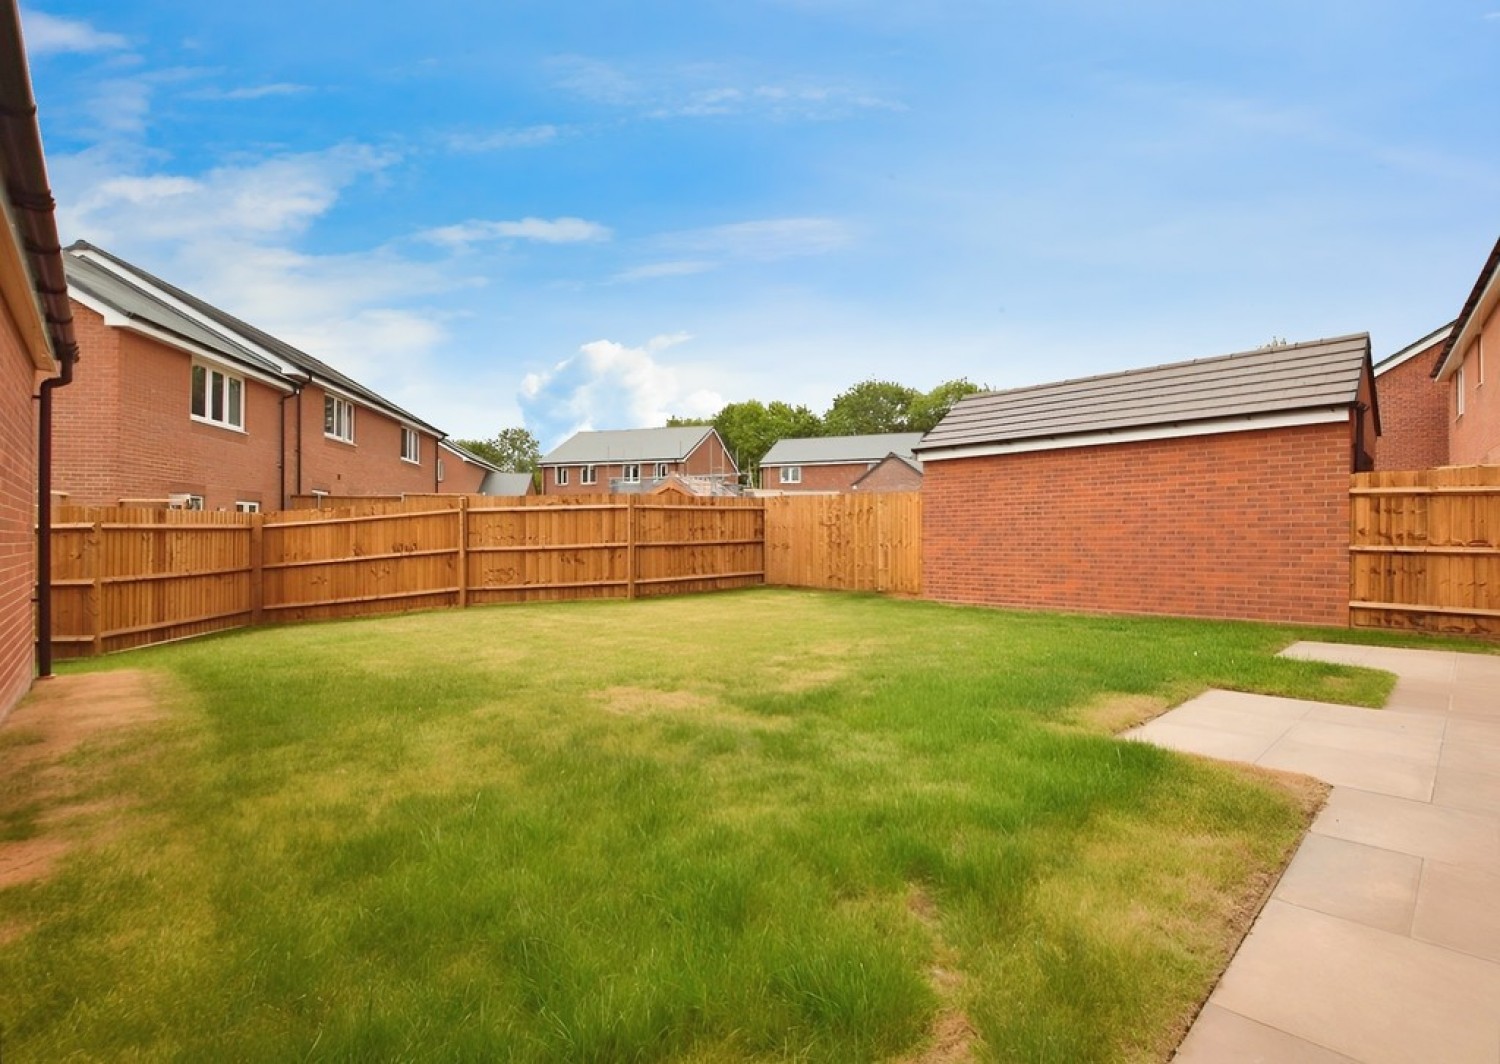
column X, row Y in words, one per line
column 1473, row 409
column 631, row 461
column 36, row 341
column 829, row 464
column 1414, row 419
column 186, row 405
column 1214, row 488
column 461, row 471
column 893, row 473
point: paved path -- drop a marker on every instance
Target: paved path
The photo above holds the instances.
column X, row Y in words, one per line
column 1382, row 941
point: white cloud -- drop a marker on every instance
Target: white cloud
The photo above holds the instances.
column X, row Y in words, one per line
column 705, row 90
column 673, row 268
column 607, row 385
column 252, row 92
column 51, row 35
column 501, row 139
column 540, row 230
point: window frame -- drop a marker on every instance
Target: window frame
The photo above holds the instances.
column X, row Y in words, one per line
column 343, row 428
column 412, row 454
column 560, row 476
column 663, row 470
column 588, row 475
column 1458, row 392
column 626, row 476
column 220, row 388
column 789, row 474
column 246, row 506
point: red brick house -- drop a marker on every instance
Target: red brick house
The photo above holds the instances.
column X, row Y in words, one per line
column 1414, row 417
column 1473, row 408
column 36, row 340
column 829, row 464
column 893, row 473
column 462, row 472
column 187, row 405
column 1214, row 488
column 631, row 461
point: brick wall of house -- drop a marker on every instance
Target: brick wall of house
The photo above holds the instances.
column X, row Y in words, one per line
column 1413, row 414
column 1475, row 437
column 1251, row 525
column 460, row 477
column 820, row 478
column 372, row 464
column 17, row 513
column 88, row 411
column 890, row 475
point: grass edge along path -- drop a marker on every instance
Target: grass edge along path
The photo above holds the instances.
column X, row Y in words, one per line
column 762, row 825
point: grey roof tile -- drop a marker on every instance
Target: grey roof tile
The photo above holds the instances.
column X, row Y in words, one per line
column 628, row 445
column 831, row 450
column 1293, row 377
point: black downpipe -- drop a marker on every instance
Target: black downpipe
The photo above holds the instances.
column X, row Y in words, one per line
column 44, row 516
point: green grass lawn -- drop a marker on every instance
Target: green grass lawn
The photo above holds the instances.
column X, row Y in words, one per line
column 767, row 825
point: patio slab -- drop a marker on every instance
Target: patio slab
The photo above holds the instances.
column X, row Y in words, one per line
column 1382, row 940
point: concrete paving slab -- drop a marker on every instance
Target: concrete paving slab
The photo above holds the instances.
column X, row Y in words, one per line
column 1235, row 721
column 1478, row 792
column 1223, row 1037
column 1454, row 836
column 1460, row 908
column 1475, row 732
column 1471, row 757
column 1365, row 884
column 1371, row 995
column 1388, row 720
column 1382, row 773
column 1210, row 742
column 1364, row 740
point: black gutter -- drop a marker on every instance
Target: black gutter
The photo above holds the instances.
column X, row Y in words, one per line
column 26, row 187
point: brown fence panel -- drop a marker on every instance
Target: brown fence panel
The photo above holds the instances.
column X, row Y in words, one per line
column 324, row 564
column 845, row 542
column 125, row 577
column 1425, row 550
column 684, row 544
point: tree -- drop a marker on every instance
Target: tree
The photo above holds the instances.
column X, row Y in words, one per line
column 927, row 410
column 750, row 428
column 871, row 407
column 514, row 450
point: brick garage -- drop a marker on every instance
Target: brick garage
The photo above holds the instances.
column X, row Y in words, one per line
column 1216, row 488
column 1413, row 406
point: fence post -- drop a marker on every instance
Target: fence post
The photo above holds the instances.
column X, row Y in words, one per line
column 96, row 588
column 257, row 568
column 463, row 551
column 630, row 562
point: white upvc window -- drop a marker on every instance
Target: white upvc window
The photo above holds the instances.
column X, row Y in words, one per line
column 631, row 474
column 662, row 470
column 411, row 445
column 588, row 475
column 245, row 506
column 338, row 418
column 1458, row 390
column 791, row 474
column 218, row 397
column 442, row 471
column 561, row 474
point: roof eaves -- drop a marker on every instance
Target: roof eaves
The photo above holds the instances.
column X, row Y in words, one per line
column 1482, row 287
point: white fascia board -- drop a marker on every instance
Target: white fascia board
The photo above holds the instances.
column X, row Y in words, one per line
column 1482, row 311
column 116, row 320
column 189, row 311
column 1322, row 416
column 837, row 461
column 1411, row 351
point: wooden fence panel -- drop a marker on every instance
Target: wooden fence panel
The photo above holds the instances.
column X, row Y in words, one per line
column 845, row 542
column 1425, row 550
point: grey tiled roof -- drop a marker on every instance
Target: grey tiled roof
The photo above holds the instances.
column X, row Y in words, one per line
column 1284, row 379
column 830, row 450
column 627, row 445
column 294, row 357
column 506, row 483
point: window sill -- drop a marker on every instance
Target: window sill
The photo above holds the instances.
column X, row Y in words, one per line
column 226, row 426
column 338, row 439
column 412, row 461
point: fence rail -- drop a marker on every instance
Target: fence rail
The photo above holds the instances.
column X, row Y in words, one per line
column 1425, row 550
column 845, row 542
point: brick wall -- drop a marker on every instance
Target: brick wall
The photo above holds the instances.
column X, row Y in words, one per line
column 890, row 475
column 1475, row 438
column 371, row 465
column 822, row 478
column 1413, row 415
column 17, row 514
column 1251, row 525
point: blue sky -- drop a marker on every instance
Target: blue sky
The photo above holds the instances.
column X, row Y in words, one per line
column 599, row 214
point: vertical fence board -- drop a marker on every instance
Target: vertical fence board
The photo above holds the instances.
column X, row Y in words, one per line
column 845, row 542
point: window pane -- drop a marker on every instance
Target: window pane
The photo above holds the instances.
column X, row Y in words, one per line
column 236, row 398
column 216, row 394
column 200, row 391
column 329, row 424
